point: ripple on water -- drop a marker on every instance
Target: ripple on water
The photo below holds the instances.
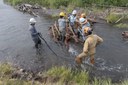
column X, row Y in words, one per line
column 101, row 64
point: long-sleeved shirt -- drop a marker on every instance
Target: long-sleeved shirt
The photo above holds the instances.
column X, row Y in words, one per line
column 72, row 19
column 34, row 33
column 90, row 44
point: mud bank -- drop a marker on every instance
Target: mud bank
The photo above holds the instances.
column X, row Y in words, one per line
column 115, row 15
column 54, row 76
column 37, row 10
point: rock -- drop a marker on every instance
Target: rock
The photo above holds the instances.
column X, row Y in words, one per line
column 29, row 77
column 38, row 78
column 18, row 74
column 22, row 70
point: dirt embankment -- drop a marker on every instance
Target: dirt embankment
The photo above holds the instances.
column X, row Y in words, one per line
column 37, row 10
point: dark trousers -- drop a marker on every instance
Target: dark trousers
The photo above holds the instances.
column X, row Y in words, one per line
column 37, row 43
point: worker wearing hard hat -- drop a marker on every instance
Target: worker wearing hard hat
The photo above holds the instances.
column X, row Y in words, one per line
column 89, row 48
column 34, row 33
column 62, row 25
column 83, row 21
column 72, row 19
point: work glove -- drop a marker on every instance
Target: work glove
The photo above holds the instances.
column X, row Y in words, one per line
column 38, row 33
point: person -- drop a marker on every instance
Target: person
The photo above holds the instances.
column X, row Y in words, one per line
column 72, row 20
column 82, row 27
column 89, row 48
column 83, row 21
column 34, row 33
column 62, row 25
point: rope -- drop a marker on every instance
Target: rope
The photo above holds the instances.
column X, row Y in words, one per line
column 40, row 35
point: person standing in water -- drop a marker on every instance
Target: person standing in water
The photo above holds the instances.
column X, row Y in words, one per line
column 89, row 48
column 34, row 33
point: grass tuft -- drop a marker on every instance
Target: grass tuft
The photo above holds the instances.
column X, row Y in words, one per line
column 101, row 81
column 121, row 25
column 61, row 72
column 5, row 69
column 125, row 82
column 61, row 75
column 112, row 18
column 66, row 74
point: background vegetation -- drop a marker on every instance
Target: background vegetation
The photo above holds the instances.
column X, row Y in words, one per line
column 78, row 3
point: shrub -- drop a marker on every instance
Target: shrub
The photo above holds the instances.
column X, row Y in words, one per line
column 112, row 18
column 13, row 2
column 121, row 25
column 65, row 74
column 101, row 82
column 5, row 69
column 61, row 72
column 81, row 78
column 79, row 3
column 125, row 82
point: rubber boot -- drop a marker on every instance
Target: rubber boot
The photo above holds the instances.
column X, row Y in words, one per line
column 92, row 61
column 78, row 60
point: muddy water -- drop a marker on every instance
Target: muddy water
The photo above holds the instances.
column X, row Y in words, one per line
column 112, row 55
column 17, row 47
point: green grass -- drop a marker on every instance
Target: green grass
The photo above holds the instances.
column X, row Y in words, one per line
column 78, row 77
column 112, row 18
column 56, row 76
column 49, row 3
column 118, row 20
column 16, row 82
column 13, row 2
column 5, row 69
column 76, row 3
column 81, row 78
column 102, row 82
column 121, row 25
column 66, row 74
column 70, row 8
column 62, row 73
column 125, row 82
